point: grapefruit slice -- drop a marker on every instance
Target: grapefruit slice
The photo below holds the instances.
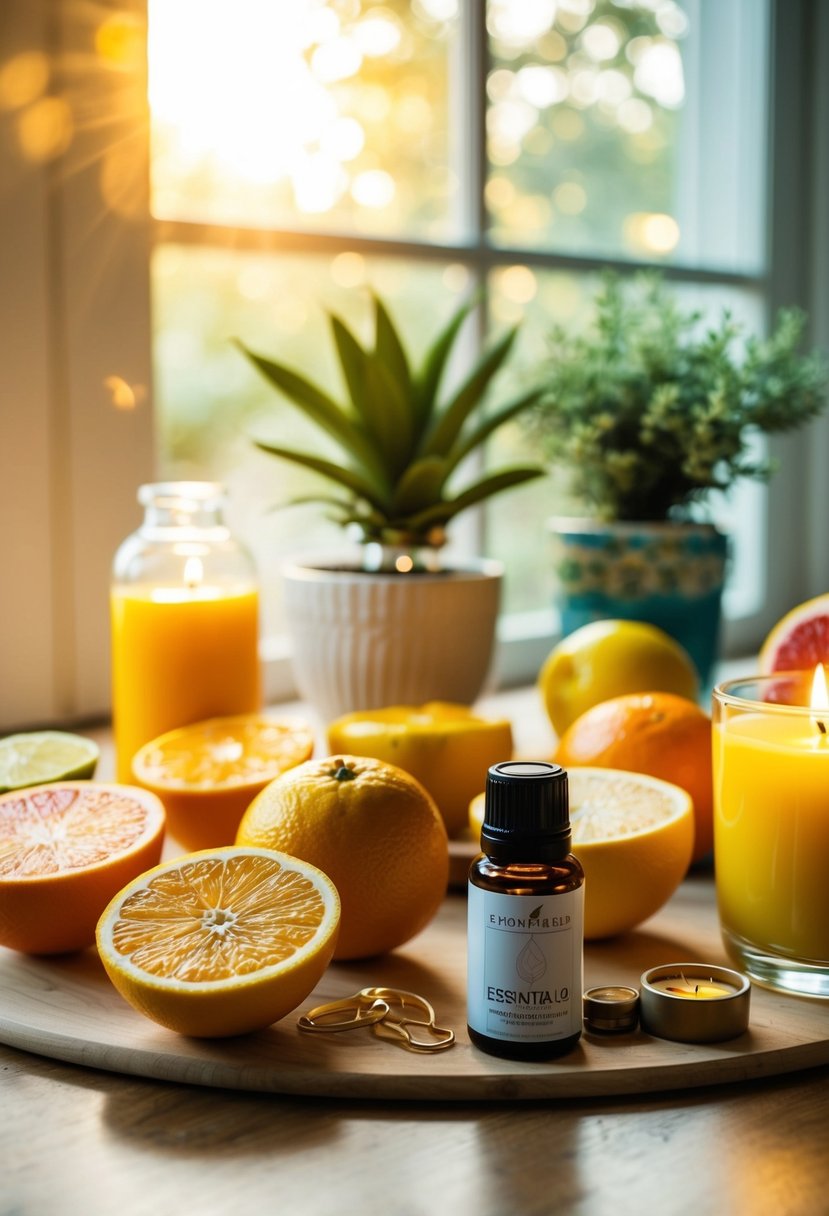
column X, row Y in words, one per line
column 65, row 850
column 800, row 640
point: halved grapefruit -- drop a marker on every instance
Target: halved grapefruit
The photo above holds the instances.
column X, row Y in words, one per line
column 800, row 640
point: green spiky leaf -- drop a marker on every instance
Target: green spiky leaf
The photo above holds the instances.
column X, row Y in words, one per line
column 342, row 476
column 479, row 491
column 448, row 425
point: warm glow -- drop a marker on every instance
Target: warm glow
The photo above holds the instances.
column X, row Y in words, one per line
column 193, row 573
column 124, row 396
column 403, row 564
column 819, row 701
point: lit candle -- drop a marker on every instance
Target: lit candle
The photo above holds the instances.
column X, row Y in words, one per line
column 694, row 1002
column 180, row 654
column 771, row 828
column 694, row 990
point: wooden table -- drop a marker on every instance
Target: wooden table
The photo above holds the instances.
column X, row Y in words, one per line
column 77, row 1140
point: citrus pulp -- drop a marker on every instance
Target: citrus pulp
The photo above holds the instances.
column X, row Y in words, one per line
column 374, row 830
column 799, row 640
column 220, row 942
column 633, row 835
column 65, row 849
column 208, row 773
column 36, row 757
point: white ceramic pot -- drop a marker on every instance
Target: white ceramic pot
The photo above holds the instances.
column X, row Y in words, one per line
column 362, row 641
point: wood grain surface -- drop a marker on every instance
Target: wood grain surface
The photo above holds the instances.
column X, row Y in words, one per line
column 67, row 1009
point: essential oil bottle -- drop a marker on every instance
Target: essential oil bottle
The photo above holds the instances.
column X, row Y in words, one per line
column 525, row 936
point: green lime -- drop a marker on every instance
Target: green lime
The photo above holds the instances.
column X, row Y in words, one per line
column 39, row 756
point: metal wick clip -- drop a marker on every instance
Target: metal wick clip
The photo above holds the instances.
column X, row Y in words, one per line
column 390, row 1012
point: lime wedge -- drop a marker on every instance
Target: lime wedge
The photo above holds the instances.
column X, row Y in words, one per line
column 39, row 756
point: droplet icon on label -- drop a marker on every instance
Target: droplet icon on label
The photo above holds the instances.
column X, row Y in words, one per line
column 531, row 963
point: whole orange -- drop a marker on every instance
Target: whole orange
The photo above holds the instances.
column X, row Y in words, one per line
column 658, row 733
column 374, row 830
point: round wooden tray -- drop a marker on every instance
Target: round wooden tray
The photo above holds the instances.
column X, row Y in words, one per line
column 67, row 1009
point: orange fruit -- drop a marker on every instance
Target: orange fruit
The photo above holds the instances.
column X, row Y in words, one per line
column 633, row 835
column 374, row 830
column 657, row 733
column 220, row 942
column 208, row 773
column 799, row 640
column 445, row 746
column 65, row 849
column 607, row 659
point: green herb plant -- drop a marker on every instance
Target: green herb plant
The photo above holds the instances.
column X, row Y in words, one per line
column 399, row 441
column 649, row 411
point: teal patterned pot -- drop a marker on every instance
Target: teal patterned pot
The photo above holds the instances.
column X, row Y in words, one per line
column 668, row 574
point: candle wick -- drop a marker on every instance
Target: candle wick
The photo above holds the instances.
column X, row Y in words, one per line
column 821, row 726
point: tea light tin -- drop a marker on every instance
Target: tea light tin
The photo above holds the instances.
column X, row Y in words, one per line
column 694, row 1002
column 611, row 1009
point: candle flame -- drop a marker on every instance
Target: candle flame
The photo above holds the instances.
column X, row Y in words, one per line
column 820, row 697
column 193, row 572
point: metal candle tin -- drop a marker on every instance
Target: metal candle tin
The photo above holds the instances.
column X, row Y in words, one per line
column 611, row 1009
column 694, row 1019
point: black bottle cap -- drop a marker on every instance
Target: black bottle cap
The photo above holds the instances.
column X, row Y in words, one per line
column 526, row 811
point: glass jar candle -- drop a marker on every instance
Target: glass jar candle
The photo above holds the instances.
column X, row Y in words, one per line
column 184, row 619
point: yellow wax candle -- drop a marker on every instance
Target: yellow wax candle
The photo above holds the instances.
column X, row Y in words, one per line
column 771, row 831
column 693, row 989
column 180, row 654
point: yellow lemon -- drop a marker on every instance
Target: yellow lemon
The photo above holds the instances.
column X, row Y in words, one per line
column 608, row 659
column 633, row 835
column 220, row 942
column 445, row 746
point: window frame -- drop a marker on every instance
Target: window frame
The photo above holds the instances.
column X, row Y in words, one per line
column 71, row 500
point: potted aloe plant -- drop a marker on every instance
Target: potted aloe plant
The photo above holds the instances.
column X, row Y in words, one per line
column 400, row 628
column 649, row 411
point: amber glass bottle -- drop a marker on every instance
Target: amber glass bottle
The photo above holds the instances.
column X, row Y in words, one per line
column 525, row 935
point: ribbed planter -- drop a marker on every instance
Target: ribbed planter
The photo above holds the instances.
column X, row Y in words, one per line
column 362, row 641
column 668, row 574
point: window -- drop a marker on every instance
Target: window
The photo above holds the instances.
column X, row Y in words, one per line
column 302, row 150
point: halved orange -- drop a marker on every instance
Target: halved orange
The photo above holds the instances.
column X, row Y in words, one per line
column 220, row 942
column 65, row 849
column 209, row 772
column 633, row 835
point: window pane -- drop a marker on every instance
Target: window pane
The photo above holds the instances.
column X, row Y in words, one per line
column 210, row 401
column 304, row 114
column 516, row 524
column 629, row 130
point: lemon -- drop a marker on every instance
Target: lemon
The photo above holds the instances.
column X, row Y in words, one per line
column 608, row 659
column 446, row 746
column 220, row 942
column 633, row 835
column 40, row 756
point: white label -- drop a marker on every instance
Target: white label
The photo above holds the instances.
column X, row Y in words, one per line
column 524, row 964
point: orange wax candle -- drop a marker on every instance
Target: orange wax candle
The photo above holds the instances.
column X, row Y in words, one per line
column 771, row 827
column 180, row 654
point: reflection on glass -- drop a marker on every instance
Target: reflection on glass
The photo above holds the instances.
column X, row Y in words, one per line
column 276, row 114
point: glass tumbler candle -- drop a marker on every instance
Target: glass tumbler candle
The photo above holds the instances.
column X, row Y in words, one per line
column 771, row 827
column 185, row 619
